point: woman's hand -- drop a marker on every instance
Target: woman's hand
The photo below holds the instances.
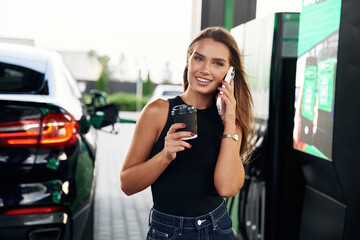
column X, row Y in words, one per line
column 174, row 142
column 228, row 97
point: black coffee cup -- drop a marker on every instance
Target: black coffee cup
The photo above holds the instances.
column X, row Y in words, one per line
column 186, row 114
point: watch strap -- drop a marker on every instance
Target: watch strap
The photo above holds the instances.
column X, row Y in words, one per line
column 233, row 136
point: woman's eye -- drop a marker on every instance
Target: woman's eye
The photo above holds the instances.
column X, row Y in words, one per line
column 219, row 64
column 198, row 58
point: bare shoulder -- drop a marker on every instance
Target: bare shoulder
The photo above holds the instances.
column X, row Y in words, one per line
column 158, row 105
column 155, row 115
column 157, row 109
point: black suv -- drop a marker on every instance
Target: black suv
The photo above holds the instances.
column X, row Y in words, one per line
column 47, row 146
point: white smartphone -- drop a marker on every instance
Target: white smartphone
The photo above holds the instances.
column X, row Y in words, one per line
column 219, row 103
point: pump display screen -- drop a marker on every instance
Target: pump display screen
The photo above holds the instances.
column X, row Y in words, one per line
column 315, row 77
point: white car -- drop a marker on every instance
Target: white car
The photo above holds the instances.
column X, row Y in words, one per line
column 166, row 91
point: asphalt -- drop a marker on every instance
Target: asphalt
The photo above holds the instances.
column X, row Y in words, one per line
column 117, row 216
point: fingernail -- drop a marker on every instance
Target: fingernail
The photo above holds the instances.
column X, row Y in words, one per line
column 190, row 146
column 192, row 134
column 184, row 125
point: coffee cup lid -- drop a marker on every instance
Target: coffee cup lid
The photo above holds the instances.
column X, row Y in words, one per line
column 183, row 109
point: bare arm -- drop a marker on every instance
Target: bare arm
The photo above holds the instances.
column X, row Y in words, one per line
column 138, row 172
column 229, row 171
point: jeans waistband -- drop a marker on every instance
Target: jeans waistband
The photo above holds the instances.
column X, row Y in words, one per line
column 189, row 222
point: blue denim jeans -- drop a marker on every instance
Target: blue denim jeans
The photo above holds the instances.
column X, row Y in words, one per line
column 216, row 225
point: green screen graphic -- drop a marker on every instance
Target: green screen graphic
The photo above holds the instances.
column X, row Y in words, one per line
column 316, row 76
column 326, row 84
column 318, row 19
column 307, row 108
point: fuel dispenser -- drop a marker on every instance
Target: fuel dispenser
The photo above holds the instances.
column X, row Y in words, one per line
column 272, row 190
column 303, row 181
column 329, row 33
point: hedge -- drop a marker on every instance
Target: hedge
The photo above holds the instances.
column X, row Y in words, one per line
column 126, row 101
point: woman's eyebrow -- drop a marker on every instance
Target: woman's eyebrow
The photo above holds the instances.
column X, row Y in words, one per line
column 197, row 53
column 216, row 59
column 220, row 59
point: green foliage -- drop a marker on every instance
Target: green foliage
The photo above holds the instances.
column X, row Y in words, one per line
column 104, row 60
column 148, row 87
column 126, row 101
column 86, row 98
column 102, row 83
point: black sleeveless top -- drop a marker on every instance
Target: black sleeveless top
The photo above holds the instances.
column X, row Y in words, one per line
column 186, row 187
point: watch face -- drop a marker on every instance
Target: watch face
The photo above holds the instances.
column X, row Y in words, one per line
column 233, row 136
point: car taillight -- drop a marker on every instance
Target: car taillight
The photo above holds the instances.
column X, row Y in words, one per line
column 36, row 210
column 58, row 129
column 20, row 133
column 55, row 130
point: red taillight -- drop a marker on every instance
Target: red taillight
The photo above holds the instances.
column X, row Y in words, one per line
column 22, row 211
column 56, row 130
column 19, row 133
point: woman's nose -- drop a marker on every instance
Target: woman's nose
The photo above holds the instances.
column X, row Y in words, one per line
column 206, row 68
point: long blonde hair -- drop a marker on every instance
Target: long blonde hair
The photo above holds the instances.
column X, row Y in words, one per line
column 244, row 102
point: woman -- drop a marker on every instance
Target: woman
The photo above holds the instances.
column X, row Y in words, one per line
column 189, row 179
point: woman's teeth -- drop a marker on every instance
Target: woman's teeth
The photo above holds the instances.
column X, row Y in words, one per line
column 203, row 80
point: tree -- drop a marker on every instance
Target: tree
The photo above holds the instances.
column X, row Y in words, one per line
column 102, row 83
column 148, row 87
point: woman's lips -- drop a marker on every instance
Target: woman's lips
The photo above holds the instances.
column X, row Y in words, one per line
column 203, row 81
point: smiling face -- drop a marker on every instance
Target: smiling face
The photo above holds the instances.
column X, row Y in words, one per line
column 207, row 66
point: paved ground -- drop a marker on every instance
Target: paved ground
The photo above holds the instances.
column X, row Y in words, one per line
column 129, row 115
column 117, row 216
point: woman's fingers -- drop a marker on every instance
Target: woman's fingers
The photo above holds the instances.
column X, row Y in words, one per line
column 174, row 142
column 229, row 100
column 228, row 92
column 229, row 86
column 176, row 126
column 176, row 146
column 174, row 134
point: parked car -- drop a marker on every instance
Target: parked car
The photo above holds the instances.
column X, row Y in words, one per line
column 47, row 147
column 166, row 91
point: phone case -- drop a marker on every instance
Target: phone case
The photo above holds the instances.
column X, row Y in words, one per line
column 219, row 103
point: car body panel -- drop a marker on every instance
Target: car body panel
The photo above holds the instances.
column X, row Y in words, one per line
column 56, row 177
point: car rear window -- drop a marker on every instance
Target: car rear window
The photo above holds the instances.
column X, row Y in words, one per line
column 18, row 79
